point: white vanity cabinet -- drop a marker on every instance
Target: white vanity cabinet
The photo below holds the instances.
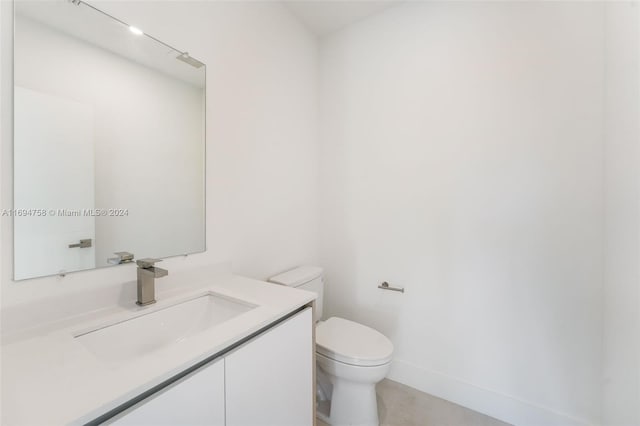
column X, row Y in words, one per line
column 197, row 399
column 268, row 380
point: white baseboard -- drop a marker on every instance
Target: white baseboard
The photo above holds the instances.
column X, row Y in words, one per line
column 494, row 404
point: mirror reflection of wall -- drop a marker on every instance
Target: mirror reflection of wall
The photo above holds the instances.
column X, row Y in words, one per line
column 105, row 118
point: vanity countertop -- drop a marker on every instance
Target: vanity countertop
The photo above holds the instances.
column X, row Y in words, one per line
column 49, row 378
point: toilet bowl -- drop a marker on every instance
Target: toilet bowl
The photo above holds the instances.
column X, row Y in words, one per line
column 351, row 359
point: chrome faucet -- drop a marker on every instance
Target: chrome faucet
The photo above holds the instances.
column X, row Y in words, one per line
column 147, row 274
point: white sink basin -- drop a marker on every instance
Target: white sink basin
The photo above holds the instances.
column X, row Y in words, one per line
column 155, row 330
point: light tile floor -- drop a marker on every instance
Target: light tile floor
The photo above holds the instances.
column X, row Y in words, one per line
column 400, row 405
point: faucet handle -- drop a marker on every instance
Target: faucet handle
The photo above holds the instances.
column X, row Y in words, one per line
column 147, row 263
column 124, row 256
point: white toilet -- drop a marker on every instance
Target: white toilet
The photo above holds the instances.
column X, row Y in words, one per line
column 351, row 359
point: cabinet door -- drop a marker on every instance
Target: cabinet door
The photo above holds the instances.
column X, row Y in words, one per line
column 195, row 400
column 269, row 379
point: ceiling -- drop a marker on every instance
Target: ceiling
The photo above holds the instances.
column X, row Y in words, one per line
column 325, row 16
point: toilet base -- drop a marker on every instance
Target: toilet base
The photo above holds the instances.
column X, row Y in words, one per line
column 352, row 395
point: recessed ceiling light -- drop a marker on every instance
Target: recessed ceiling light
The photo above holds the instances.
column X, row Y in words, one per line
column 136, row 31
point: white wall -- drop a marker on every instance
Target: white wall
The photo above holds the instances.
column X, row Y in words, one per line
column 621, row 396
column 462, row 159
column 261, row 132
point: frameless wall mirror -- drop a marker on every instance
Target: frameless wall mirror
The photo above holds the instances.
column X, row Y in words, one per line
column 109, row 141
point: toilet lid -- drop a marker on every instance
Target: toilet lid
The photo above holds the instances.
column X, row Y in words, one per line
column 352, row 343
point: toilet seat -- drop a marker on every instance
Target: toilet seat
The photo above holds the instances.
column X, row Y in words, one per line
column 352, row 343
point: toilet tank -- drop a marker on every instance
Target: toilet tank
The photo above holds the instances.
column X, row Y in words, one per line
column 305, row 278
